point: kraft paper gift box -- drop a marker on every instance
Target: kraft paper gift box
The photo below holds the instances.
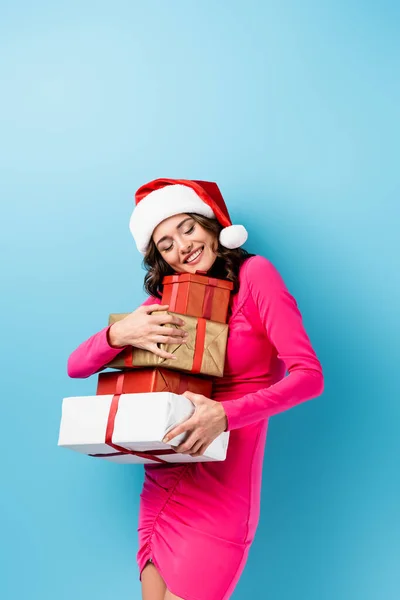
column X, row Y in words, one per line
column 129, row 428
column 152, row 380
column 203, row 351
column 197, row 295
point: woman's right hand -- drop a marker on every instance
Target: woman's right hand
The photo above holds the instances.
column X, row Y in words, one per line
column 143, row 330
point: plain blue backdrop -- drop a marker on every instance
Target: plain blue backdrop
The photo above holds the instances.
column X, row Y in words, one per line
column 293, row 108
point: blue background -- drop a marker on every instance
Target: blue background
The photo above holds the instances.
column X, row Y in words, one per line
column 293, row 108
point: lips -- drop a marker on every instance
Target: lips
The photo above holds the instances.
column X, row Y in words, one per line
column 192, row 253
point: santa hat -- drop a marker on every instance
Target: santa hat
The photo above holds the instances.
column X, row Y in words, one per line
column 163, row 198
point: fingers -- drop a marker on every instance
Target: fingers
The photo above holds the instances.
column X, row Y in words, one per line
column 193, row 395
column 170, row 331
column 185, row 426
column 192, row 445
column 152, row 307
column 165, row 339
column 195, row 398
column 196, row 447
column 162, row 353
column 187, row 447
column 200, row 451
column 166, row 319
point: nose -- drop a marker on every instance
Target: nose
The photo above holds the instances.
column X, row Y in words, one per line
column 185, row 247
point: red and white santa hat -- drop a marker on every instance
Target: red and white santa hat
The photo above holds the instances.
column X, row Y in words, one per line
column 163, row 198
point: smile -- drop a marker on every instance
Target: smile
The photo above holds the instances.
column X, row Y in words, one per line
column 194, row 256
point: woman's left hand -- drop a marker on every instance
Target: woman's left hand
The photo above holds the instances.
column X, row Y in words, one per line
column 207, row 422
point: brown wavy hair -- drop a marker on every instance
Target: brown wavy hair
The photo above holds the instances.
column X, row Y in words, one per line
column 225, row 266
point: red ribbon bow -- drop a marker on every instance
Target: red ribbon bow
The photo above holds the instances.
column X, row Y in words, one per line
column 153, row 454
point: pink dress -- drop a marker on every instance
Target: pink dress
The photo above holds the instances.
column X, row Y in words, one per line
column 197, row 520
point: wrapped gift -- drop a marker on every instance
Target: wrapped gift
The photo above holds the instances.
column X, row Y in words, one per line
column 152, row 380
column 197, row 295
column 202, row 352
column 129, row 428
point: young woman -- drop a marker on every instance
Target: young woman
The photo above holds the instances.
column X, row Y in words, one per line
column 197, row 520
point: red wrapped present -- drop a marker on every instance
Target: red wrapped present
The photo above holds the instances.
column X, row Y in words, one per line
column 152, row 380
column 197, row 295
column 129, row 428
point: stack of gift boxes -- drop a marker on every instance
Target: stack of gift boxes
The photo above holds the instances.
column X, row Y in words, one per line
column 138, row 404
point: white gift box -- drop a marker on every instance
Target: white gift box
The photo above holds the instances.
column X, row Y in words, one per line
column 135, row 422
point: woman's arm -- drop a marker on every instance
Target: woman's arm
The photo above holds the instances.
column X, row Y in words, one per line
column 282, row 320
column 91, row 356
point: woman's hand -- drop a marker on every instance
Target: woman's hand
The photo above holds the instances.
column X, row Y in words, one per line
column 143, row 330
column 206, row 423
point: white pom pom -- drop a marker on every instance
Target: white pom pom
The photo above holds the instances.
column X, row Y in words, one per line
column 233, row 236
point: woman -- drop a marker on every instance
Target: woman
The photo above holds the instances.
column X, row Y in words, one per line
column 197, row 520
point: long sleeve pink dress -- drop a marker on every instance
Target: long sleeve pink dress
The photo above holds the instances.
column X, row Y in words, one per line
column 197, row 521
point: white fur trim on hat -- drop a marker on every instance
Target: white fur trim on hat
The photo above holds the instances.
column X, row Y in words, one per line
column 233, row 236
column 159, row 205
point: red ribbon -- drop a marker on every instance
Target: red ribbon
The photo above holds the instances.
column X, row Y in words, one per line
column 153, row 454
column 208, row 302
column 174, row 294
column 208, row 295
column 128, row 356
column 199, row 345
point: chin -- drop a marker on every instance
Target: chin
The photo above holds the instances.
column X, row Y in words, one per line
column 198, row 267
column 204, row 265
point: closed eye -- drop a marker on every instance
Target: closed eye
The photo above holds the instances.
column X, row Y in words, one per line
column 188, row 232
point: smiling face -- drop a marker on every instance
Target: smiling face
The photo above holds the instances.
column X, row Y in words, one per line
column 184, row 244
